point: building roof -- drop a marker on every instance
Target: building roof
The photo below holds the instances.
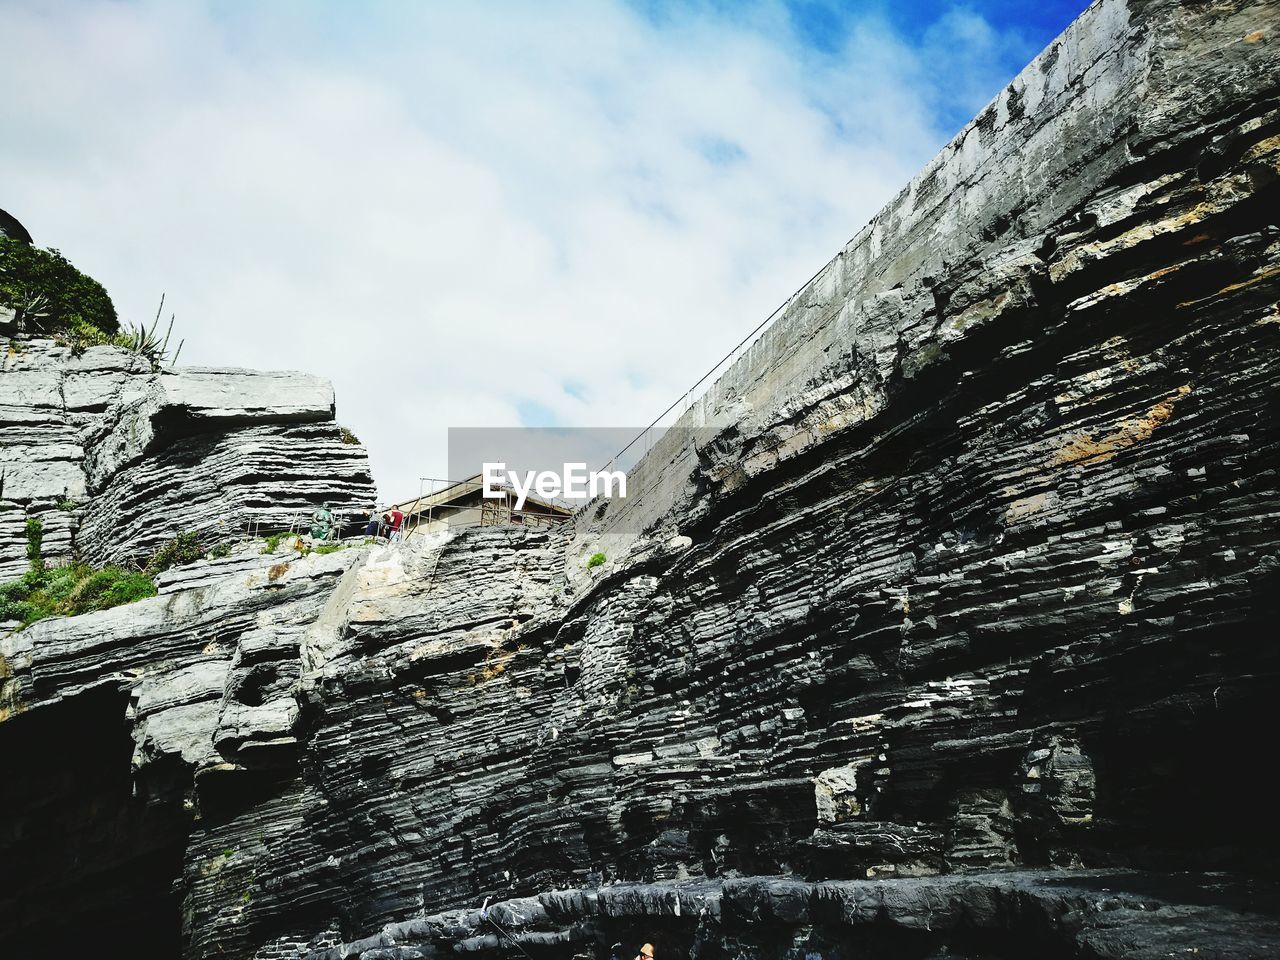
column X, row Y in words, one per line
column 461, row 489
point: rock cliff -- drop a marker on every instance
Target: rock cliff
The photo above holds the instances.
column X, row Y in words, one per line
column 946, row 628
column 103, row 449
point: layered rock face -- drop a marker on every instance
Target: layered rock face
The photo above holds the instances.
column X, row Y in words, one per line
column 48, row 400
column 100, row 447
column 948, row 631
column 116, row 459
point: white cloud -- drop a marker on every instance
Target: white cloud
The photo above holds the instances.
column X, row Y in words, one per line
column 455, row 211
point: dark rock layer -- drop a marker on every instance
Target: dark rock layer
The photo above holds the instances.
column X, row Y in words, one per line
column 949, row 631
column 1087, row 913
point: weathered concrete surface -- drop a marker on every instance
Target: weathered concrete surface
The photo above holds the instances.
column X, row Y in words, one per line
column 977, row 572
column 1141, row 136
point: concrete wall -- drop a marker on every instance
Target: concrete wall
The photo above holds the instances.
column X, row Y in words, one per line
column 965, row 239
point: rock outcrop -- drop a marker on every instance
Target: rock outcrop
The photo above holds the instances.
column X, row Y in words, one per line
column 941, row 626
column 1091, row 913
column 101, row 447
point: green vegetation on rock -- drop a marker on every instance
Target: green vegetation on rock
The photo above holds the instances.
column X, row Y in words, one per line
column 184, row 548
column 35, row 538
column 69, row 590
column 270, row 543
column 52, row 296
column 294, row 542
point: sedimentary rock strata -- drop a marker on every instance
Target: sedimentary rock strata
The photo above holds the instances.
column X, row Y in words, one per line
column 100, row 447
column 1094, row 913
column 948, row 629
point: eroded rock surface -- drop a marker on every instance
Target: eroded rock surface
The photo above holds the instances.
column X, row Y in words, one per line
column 1090, row 913
column 954, row 638
column 101, row 448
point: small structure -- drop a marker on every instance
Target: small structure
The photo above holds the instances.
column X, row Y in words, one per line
column 11, row 228
column 461, row 503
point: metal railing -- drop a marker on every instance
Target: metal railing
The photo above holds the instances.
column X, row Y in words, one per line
column 297, row 524
column 684, row 401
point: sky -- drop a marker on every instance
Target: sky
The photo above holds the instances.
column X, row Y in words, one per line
column 479, row 214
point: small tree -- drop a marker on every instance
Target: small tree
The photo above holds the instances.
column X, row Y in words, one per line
column 35, row 542
column 49, row 294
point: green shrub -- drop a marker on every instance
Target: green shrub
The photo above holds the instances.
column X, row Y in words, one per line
column 184, row 548
column 52, row 295
column 218, row 551
column 66, row 504
column 127, row 588
column 596, row 560
column 273, row 541
column 80, row 336
column 35, row 540
column 90, row 589
column 38, row 606
column 70, row 590
column 348, row 437
column 60, row 582
column 13, row 596
column 16, row 591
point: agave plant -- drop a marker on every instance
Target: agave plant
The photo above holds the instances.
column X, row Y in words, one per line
column 33, row 308
column 146, row 341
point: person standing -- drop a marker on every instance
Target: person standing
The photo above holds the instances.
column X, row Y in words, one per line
column 397, row 524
